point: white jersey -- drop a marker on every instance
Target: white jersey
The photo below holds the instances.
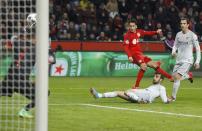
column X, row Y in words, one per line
column 184, row 44
column 149, row 94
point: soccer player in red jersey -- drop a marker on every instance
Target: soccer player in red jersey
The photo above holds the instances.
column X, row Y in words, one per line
column 135, row 55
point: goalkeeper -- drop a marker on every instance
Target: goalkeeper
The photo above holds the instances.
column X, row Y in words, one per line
column 18, row 77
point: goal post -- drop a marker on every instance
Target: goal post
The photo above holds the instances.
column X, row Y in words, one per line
column 24, row 43
column 42, row 36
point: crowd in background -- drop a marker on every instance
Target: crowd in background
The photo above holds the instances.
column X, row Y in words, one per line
column 105, row 20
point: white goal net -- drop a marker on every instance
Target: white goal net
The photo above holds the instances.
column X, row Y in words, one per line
column 17, row 65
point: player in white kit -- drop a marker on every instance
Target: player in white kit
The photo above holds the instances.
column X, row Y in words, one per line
column 185, row 41
column 147, row 95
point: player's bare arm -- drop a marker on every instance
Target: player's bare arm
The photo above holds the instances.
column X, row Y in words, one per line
column 196, row 66
column 130, row 59
column 159, row 31
column 174, row 55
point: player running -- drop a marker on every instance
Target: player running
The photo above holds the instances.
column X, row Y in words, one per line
column 147, row 95
column 185, row 41
column 135, row 55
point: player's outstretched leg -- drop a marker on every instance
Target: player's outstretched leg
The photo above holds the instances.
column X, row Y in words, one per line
column 94, row 93
column 164, row 73
column 156, row 66
column 104, row 95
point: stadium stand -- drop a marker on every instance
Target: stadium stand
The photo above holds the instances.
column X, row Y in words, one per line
column 105, row 20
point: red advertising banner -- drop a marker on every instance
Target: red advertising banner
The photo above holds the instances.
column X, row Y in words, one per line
column 105, row 46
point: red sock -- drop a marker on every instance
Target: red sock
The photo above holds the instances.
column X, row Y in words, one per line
column 139, row 78
column 164, row 73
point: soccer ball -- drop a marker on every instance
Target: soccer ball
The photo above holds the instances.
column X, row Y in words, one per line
column 30, row 21
column 31, row 18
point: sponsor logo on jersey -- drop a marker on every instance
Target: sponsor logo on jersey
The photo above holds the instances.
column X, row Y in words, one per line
column 127, row 41
column 134, row 41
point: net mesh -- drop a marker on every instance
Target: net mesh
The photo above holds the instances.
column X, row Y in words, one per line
column 17, row 60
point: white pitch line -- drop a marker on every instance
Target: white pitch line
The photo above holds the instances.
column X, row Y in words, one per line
column 139, row 110
column 82, row 88
column 123, row 108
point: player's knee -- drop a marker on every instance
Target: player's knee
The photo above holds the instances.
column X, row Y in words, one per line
column 156, row 65
column 177, row 76
column 119, row 93
column 126, row 93
column 143, row 66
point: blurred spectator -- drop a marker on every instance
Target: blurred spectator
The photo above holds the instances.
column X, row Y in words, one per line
column 199, row 29
column 91, row 14
column 102, row 37
column 64, row 35
column 118, row 23
column 102, row 15
column 159, row 25
column 146, row 8
column 75, row 14
column 161, row 15
column 91, row 36
column 84, row 4
column 68, row 36
column 149, row 22
column 53, row 28
column 169, row 41
column 107, row 30
column 116, row 35
column 65, row 17
column 77, row 36
column 83, row 31
column 112, row 8
column 51, row 6
column 123, row 9
column 140, row 20
column 168, row 28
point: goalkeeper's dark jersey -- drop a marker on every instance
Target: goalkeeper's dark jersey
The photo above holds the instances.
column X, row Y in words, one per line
column 23, row 54
column 18, row 76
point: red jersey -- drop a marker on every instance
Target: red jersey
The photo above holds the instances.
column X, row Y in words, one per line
column 131, row 41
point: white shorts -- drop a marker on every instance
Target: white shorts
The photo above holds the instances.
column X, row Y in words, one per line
column 143, row 94
column 182, row 68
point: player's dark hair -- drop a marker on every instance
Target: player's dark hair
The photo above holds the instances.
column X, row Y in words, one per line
column 185, row 18
column 157, row 73
column 132, row 20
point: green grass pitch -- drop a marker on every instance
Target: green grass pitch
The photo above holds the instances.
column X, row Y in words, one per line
column 69, row 109
column 67, row 112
